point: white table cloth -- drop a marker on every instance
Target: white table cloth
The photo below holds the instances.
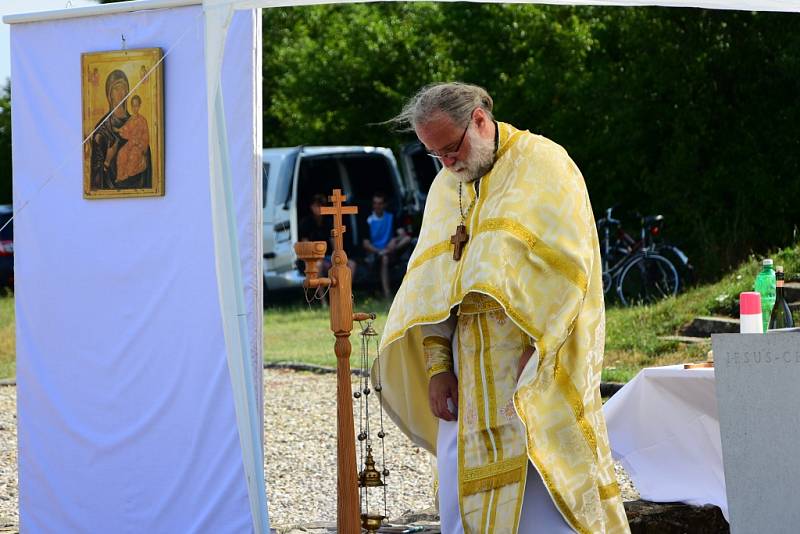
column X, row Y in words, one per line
column 664, row 429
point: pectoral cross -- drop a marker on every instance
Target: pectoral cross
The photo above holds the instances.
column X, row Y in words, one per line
column 459, row 239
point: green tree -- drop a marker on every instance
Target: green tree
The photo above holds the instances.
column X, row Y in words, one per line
column 691, row 113
column 332, row 72
column 5, row 144
column 687, row 112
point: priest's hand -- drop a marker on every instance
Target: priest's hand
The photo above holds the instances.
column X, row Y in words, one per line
column 441, row 387
column 523, row 360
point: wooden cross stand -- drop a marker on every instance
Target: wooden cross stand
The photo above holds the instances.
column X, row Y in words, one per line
column 341, row 306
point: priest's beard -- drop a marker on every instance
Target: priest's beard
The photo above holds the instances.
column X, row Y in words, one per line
column 479, row 161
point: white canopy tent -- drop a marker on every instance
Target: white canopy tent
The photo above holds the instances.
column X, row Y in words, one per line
column 139, row 406
column 218, row 15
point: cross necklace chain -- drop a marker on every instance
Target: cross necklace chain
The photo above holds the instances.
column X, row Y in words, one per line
column 460, row 238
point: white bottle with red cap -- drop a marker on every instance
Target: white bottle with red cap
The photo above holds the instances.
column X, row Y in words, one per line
column 750, row 320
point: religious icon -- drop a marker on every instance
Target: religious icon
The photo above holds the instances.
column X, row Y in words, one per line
column 123, row 123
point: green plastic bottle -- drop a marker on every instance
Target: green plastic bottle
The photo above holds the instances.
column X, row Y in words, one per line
column 765, row 285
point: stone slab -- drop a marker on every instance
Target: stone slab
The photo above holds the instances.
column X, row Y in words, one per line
column 608, row 389
column 685, row 339
column 757, row 379
column 705, row 326
column 647, row 517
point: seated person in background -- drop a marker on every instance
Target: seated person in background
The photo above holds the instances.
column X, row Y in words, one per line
column 382, row 242
column 315, row 227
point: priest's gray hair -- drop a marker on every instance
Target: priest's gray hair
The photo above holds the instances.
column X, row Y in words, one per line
column 455, row 99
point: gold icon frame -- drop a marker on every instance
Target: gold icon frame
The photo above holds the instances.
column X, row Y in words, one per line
column 123, row 155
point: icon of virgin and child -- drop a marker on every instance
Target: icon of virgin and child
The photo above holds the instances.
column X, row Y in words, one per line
column 120, row 144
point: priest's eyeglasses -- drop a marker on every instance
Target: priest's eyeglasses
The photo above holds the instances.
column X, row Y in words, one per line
column 451, row 153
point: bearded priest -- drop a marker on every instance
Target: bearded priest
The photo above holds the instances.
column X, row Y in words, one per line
column 493, row 348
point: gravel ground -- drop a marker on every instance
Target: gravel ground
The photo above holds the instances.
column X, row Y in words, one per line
column 9, row 508
column 300, row 437
column 301, row 446
column 300, row 455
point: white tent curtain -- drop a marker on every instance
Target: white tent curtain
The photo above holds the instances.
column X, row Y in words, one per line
column 231, row 293
column 125, row 412
column 218, row 15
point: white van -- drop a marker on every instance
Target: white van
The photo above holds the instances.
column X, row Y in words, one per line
column 292, row 176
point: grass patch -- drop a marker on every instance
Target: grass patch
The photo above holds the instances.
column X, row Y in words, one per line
column 632, row 334
column 301, row 333
column 8, row 350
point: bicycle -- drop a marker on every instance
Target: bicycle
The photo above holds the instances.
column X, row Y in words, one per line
column 651, row 232
column 634, row 269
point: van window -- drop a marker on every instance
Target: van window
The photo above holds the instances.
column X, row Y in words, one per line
column 318, row 174
column 283, row 189
column 369, row 174
column 426, row 170
column 264, row 183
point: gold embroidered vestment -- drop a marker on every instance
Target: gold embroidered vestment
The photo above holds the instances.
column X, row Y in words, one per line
column 533, row 252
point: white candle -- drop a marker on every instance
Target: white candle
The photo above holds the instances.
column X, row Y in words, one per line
column 750, row 320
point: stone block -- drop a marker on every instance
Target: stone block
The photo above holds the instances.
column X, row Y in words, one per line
column 705, row 326
column 647, row 517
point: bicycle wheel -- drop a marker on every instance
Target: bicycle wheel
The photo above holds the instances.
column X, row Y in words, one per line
column 680, row 261
column 616, row 257
column 647, row 279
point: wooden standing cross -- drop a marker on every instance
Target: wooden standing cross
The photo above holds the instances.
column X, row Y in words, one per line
column 341, row 306
column 337, row 210
column 459, row 239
